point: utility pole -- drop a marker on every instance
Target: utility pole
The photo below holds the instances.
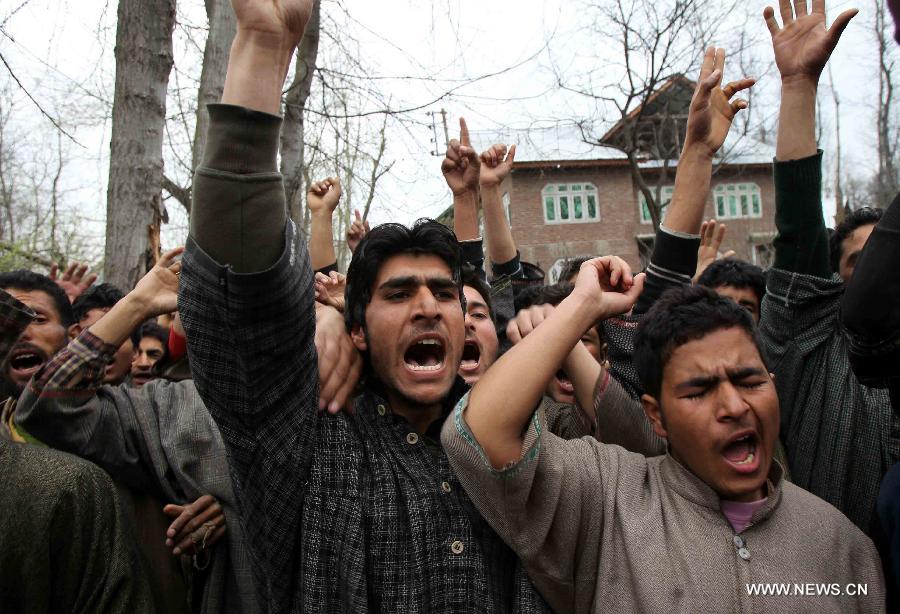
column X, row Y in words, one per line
column 438, row 151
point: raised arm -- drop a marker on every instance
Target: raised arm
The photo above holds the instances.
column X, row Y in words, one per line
column 358, row 229
column 66, row 405
column 802, row 46
column 674, row 258
column 496, row 164
column 247, row 297
column 460, row 169
column 267, row 34
column 604, row 288
column 322, row 199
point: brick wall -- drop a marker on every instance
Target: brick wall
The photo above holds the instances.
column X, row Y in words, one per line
column 620, row 223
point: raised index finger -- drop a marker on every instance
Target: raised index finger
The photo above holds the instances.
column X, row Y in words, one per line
column 463, row 132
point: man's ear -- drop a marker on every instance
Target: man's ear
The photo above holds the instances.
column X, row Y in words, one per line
column 358, row 337
column 74, row 330
column 654, row 414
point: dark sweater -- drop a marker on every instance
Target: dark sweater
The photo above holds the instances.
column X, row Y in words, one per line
column 63, row 544
column 840, row 436
column 869, row 310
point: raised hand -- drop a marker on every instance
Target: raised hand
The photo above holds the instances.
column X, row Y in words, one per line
column 273, row 17
column 358, row 229
column 711, row 111
column 196, row 526
column 158, row 289
column 608, row 285
column 712, row 234
column 323, row 197
column 803, row 44
column 330, row 289
column 75, row 280
column 461, row 165
column 496, row 163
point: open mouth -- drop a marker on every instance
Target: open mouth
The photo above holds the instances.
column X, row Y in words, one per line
column 26, row 361
column 741, row 453
column 425, row 355
column 564, row 383
column 139, row 378
column 471, row 357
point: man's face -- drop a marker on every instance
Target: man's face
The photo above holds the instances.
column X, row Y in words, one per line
column 745, row 297
column 120, row 367
column 719, row 411
column 414, row 328
column 148, row 353
column 43, row 338
column 481, row 345
column 560, row 388
column 850, row 249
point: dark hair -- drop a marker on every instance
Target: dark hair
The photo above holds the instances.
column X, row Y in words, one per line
column 681, row 315
column 735, row 273
column 385, row 241
column 151, row 328
column 31, row 282
column 571, row 268
column 855, row 219
column 100, row 296
column 470, row 277
column 542, row 295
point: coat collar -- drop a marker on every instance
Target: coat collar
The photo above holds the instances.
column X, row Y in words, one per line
column 687, row 485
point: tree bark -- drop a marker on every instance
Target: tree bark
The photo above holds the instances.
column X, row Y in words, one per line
column 222, row 25
column 134, row 196
column 886, row 179
column 292, row 132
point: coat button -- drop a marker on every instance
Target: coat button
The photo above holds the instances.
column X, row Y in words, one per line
column 445, row 486
column 457, row 547
column 381, row 410
column 738, row 542
column 744, row 554
column 412, row 439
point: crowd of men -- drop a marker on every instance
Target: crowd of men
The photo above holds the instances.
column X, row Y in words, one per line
column 436, row 430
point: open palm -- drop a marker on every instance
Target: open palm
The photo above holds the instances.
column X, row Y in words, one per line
column 803, row 44
column 273, row 16
column 712, row 111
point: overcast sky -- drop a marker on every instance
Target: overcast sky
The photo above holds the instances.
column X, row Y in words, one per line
column 62, row 51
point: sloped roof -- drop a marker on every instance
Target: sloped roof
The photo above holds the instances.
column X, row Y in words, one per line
column 676, row 90
column 557, row 142
column 562, row 143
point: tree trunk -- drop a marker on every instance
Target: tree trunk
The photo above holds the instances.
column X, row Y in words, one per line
column 222, row 25
column 134, row 196
column 292, row 132
column 887, row 180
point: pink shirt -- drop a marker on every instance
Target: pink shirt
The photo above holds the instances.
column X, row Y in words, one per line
column 739, row 514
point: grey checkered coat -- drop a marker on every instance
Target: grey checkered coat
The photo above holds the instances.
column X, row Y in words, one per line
column 342, row 513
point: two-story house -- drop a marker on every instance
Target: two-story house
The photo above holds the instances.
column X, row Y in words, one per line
column 567, row 198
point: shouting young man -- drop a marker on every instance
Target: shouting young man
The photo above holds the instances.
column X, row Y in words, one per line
column 344, row 512
column 700, row 529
